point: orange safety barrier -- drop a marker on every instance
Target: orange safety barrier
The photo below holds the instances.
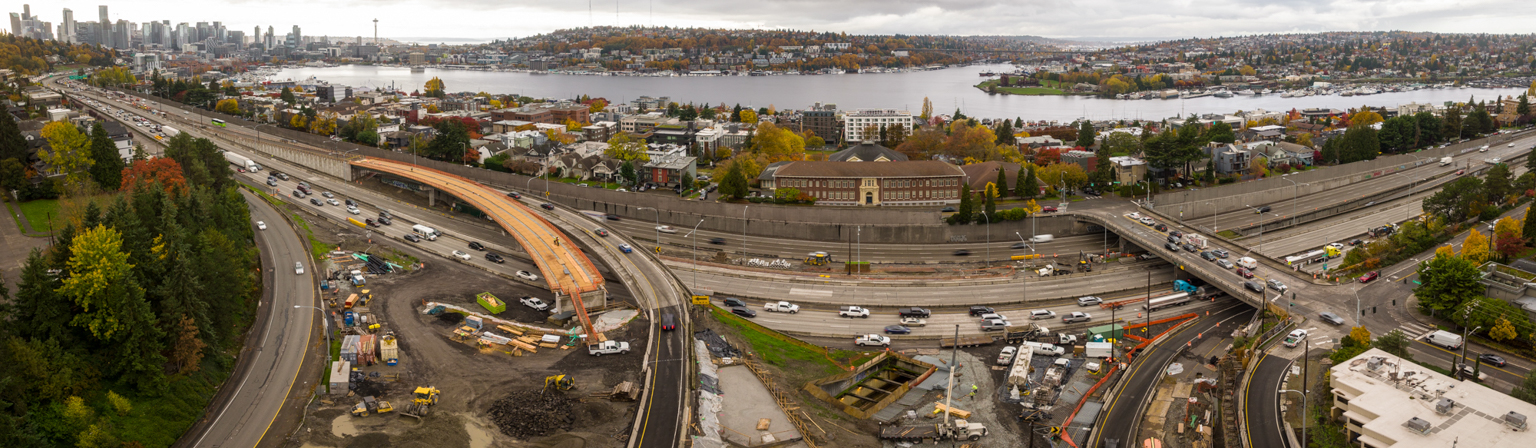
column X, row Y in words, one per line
column 1067, row 437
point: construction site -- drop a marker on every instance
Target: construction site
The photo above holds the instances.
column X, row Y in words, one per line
column 442, row 354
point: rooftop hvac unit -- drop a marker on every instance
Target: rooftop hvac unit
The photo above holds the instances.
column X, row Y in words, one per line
column 1418, row 424
column 1515, row 420
column 1445, row 406
column 1375, row 362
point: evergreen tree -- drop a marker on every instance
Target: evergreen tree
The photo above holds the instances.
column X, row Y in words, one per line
column 1524, row 107
column 1086, row 134
column 1529, row 230
column 107, row 169
column 1029, row 186
column 963, row 212
column 1002, row 181
column 735, row 183
column 12, row 144
column 1005, row 133
column 287, row 96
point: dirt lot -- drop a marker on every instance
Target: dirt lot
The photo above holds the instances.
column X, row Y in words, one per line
column 470, row 379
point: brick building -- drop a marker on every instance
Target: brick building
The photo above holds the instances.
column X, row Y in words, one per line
column 908, row 183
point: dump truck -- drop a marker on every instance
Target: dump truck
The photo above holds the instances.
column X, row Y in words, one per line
column 956, row 430
column 607, row 347
column 389, row 349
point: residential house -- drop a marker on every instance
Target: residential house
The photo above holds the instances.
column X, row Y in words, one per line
column 1232, row 159
column 668, row 166
column 1129, row 170
column 600, row 131
column 1088, row 160
column 978, row 175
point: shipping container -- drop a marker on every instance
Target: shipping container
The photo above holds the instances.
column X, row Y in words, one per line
column 389, row 350
column 341, row 373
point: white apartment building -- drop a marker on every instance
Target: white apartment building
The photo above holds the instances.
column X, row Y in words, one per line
column 855, row 121
column 1387, row 402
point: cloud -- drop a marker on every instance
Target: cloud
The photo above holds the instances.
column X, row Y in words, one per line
column 1052, row 18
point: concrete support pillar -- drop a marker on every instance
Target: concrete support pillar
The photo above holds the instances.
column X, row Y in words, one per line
column 432, row 197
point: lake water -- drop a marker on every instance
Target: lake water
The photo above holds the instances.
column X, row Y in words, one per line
column 947, row 89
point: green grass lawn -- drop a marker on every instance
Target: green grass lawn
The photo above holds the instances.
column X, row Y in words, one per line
column 780, row 350
column 39, row 211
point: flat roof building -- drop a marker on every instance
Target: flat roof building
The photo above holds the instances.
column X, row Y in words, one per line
column 1387, row 402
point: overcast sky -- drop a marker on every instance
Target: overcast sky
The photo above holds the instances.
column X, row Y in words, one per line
column 1135, row 19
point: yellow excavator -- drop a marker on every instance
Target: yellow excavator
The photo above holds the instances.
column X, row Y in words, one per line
column 421, row 404
column 559, row 382
column 370, row 405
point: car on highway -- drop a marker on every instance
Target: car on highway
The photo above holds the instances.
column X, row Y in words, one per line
column 1148, row 221
column 1222, row 253
column 260, row 225
column 1041, row 314
column 625, row 248
column 514, row 195
column 1021, row 245
column 333, row 202
column 897, row 329
column 298, row 267
column 1076, row 316
column 1275, row 284
column 1133, row 215
column 1254, row 285
column 1261, row 209
column 732, row 301
column 385, row 220
column 1048, row 209
column 1173, row 239
column 1369, row 276
column 743, row 311
column 668, row 322
column 1208, row 256
column 1224, row 264
column 529, row 276
column 462, row 255
column 1171, row 246
column 949, row 209
column 272, row 181
column 1089, row 301
column 492, row 257
column 297, row 194
column 534, row 302
column 1176, row 234
column 1005, row 357
column 994, row 325
column 1295, row 338
column 1245, row 272
column 476, row 245
column 1191, row 248
column 547, row 206
column 283, row 176
column 316, row 202
column 354, row 210
column 1330, row 318
column 412, row 238
column 962, row 253
column 1161, row 227
column 1356, row 242
column 1492, row 359
column 914, row 312
column 599, row 232
column 666, row 229
column 977, row 310
column 610, row 216
column 717, row 240
column 327, row 194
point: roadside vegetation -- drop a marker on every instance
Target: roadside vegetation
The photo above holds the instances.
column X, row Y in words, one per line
column 799, row 360
column 120, row 333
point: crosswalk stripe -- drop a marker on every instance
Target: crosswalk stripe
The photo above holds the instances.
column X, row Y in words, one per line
column 1415, row 330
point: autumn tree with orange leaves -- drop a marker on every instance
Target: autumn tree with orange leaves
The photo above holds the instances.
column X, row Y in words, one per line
column 162, row 171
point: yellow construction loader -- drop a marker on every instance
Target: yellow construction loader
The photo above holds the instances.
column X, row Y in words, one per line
column 421, row 403
column 559, row 382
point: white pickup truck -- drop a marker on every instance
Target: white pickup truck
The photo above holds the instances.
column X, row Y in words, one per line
column 782, row 307
column 607, row 348
column 873, row 339
column 852, row 311
column 534, row 302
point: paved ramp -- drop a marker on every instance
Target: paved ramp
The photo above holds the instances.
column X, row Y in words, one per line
column 564, row 267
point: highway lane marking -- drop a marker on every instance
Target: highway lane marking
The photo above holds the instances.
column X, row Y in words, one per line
column 809, row 292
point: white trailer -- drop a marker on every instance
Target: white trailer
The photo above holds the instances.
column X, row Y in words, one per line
column 425, row 232
column 241, row 162
column 169, row 131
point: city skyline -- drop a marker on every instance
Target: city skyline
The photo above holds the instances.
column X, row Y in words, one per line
column 429, row 22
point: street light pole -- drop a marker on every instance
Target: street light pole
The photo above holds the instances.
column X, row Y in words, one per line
column 695, row 234
column 1213, row 218
column 744, row 230
column 988, row 260
column 1294, row 188
column 1464, row 334
column 326, row 321
column 658, row 224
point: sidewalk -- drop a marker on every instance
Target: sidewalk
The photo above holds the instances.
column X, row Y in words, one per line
column 15, row 245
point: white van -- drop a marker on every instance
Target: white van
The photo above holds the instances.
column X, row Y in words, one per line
column 1042, row 238
column 1445, row 339
column 1248, row 263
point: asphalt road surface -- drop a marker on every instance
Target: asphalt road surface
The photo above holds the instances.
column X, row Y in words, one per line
column 260, row 391
column 1122, row 416
column 1263, row 403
